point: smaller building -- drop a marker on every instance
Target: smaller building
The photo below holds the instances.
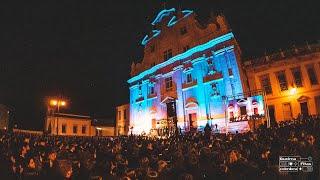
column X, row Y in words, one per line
column 104, row 127
column 290, row 80
column 76, row 125
column 122, row 119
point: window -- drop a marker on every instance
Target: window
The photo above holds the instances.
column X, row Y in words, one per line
column 168, row 82
column 304, row 108
column 243, row 110
column 64, row 127
column 167, row 54
column 152, row 48
column 183, row 30
column 215, row 89
column 119, row 115
column 75, row 129
column 296, row 73
column 312, row 75
column 287, row 114
column 83, row 130
column 186, row 48
column 231, row 114
column 265, row 83
column 139, row 90
column 125, row 114
column 189, row 78
column 152, row 89
column 282, row 80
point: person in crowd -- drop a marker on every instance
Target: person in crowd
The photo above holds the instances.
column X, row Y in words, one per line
column 187, row 156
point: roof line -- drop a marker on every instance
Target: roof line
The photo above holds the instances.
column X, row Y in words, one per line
column 72, row 115
column 184, row 55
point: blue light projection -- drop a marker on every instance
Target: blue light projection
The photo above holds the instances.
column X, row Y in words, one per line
column 184, row 55
column 174, row 19
column 200, row 100
column 163, row 13
column 187, row 12
column 158, row 19
column 146, row 38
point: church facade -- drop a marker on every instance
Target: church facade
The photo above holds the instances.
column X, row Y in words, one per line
column 188, row 72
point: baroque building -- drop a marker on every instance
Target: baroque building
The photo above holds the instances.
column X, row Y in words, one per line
column 188, row 71
column 290, row 80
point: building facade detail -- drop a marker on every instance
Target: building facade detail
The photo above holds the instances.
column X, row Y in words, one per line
column 290, row 80
column 122, row 119
column 187, row 71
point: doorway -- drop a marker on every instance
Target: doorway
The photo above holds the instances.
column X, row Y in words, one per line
column 272, row 115
column 193, row 120
column 287, row 113
column 304, row 108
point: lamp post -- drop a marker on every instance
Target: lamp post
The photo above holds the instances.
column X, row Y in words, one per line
column 57, row 103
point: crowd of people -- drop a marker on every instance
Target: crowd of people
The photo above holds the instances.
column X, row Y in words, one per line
column 198, row 155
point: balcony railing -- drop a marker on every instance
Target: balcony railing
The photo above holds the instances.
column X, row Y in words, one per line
column 153, row 95
column 139, row 99
column 212, row 77
column 186, row 85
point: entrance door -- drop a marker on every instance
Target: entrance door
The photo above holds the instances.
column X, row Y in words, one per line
column 193, row 120
column 304, row 108
column 272, row 115
column 171, row 109
column 287, row 114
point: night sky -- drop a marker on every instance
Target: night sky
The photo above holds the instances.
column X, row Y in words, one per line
column 83, row 49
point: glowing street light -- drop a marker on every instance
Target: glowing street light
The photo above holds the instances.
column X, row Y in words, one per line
column 63, row 103
column 53, row 102
column 57, row 103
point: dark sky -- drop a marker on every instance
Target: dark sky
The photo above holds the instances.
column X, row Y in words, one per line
column 83, row 49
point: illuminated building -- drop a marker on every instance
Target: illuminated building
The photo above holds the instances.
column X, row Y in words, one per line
column 69, row 124
column 122, row 119
column 76, row 125
column 188, row 71
column 290, row 79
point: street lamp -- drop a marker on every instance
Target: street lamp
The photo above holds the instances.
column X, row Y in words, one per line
column 57, row 103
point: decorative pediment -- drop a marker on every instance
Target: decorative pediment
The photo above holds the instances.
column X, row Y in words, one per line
column 303, row 98
column 230, row 106
column 167, row 100
column 242, row 101
column 254, row 102
column 153, row 110
column 191, row 103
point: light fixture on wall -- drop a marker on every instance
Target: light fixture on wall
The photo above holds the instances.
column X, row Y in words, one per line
column 293, row 91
